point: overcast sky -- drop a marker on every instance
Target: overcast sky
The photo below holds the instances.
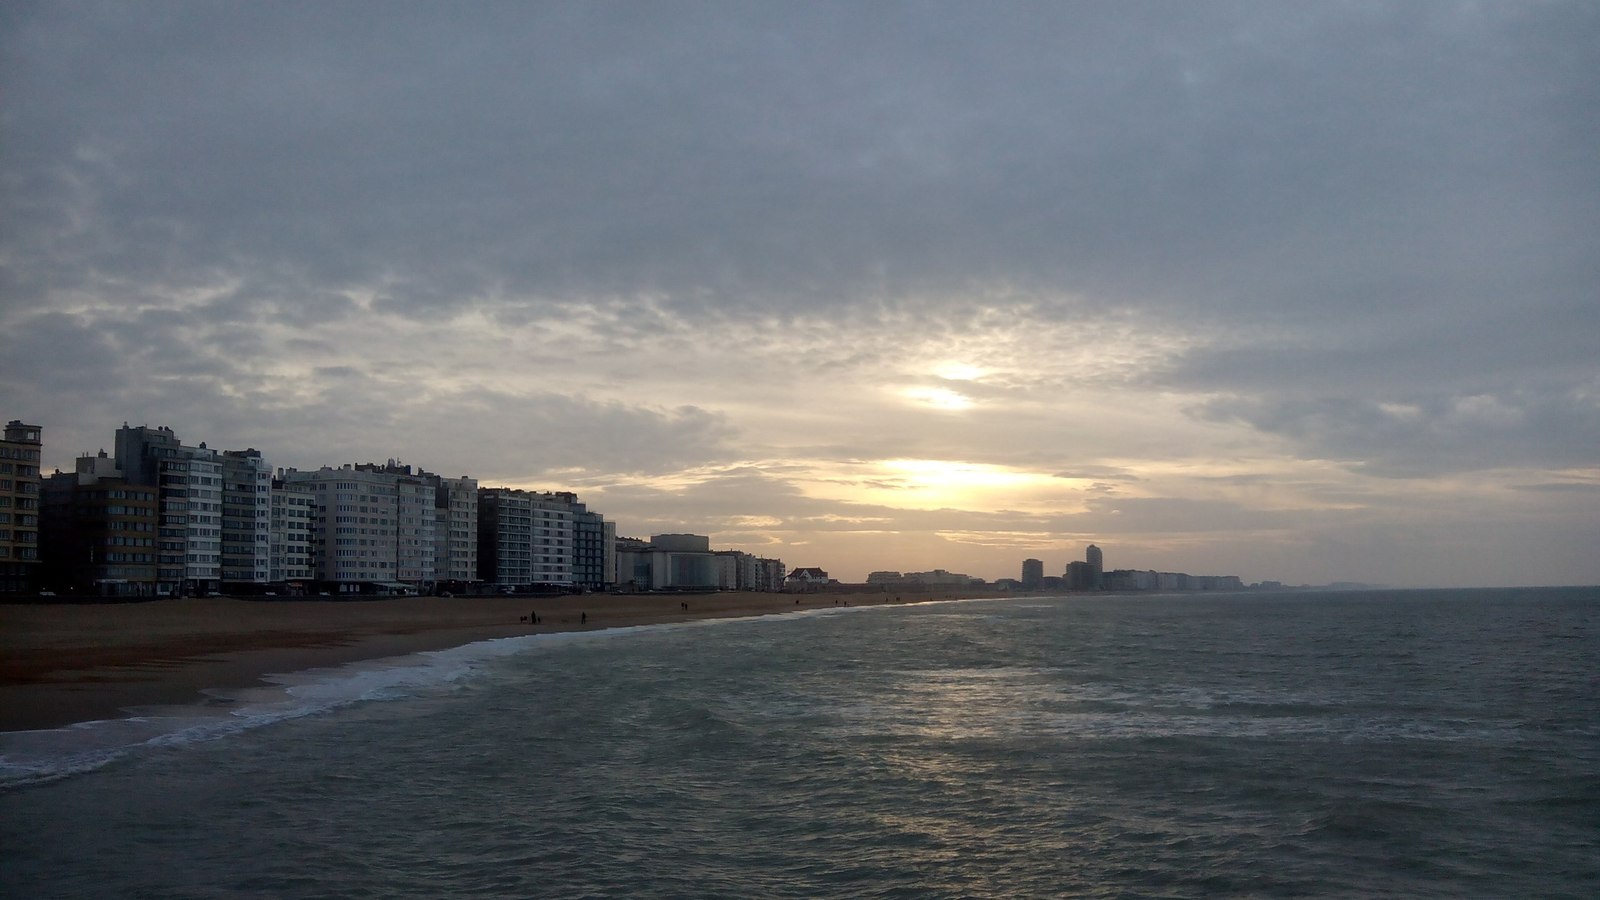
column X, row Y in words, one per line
column 1293, row 291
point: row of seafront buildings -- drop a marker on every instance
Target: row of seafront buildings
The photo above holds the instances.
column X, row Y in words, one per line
column 1089, row 574
column 161, row 517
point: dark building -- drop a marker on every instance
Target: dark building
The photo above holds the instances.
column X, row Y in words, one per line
column 100, row 534
column 19, row 507
column 1082, row 577
column 588, row 545
column 1032, row 574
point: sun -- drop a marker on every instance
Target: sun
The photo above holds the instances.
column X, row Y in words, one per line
column 937, row 483
column 939, row 398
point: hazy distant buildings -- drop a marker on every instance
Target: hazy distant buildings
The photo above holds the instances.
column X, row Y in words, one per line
column 769, row 574
column 672, row 562
column 936, row 577
column 1149, row 580
column 1032, row 573
column 1079, row 576
column 741, row 571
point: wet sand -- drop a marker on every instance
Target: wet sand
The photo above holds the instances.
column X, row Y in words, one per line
column 67, row 663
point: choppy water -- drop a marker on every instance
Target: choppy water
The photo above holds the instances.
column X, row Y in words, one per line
column 1413, row 744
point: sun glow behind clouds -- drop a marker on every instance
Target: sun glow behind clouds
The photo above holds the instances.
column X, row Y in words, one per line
column 946, row 484
column 939, row 398
column 959, row 371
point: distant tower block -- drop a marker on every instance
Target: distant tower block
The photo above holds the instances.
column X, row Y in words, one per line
column 1032, row 573
column 1093, row 557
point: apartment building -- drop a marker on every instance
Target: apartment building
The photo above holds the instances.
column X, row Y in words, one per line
column 355, row 526
column 456, row 529
column 524, row 538
column 98, row 532
column 246, row 517
column 188, row 482
column 19, row 507
column 293, row 512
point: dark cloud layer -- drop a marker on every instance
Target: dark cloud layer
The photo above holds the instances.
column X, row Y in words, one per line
column 1238, row 156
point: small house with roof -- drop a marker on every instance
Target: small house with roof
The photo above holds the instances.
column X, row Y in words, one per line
column 805, row 579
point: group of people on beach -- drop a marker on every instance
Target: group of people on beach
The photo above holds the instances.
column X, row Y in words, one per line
column 533, row 618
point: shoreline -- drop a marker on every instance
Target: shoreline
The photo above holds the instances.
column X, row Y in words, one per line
column 63, row 664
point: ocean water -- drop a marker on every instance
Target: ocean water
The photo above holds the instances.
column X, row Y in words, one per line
column 1400, row 744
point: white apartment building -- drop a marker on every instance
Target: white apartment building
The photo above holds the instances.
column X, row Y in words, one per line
column 552, row 535
column 246, row 517
column 189, row 486
column 415, row 544
column 204, row 555
column 524, row 537
column 456, row 529
column 355, row 527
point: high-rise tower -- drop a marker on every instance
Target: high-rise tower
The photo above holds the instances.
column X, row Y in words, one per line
column 19, row 506
column 1032, row 573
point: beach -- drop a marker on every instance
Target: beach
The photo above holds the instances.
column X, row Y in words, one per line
column 76, row 662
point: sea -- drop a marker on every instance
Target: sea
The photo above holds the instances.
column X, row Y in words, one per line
column 1421, row 743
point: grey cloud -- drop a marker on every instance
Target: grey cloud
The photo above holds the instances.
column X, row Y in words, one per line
column 1098, row 473
column 807, row 155
column 1560, row 487
column 1429, row 434
column 1355, row 209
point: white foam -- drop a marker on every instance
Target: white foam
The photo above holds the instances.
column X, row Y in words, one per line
column 33, row 757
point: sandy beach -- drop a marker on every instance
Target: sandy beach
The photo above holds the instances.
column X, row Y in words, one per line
column 67, row 663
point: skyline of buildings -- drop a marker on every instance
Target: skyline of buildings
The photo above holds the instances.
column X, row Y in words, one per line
column 163, row 517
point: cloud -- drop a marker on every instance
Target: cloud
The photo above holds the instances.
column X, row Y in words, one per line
column 1152, row 248
column 1428, row 434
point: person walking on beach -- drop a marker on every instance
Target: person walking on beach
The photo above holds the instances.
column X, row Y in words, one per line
column 583, row 618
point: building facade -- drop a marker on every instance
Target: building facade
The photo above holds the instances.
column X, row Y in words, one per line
column 246, row 518
column 505, row 537
column 456, row 530
column 1032, row 573
column 354, row 528
column 189, row 487
column 98, row 532
column 19, row 507
column 294, row 505
column 525, row 538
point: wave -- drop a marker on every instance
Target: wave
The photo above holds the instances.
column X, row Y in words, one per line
column 42, row 756
column 34, row 757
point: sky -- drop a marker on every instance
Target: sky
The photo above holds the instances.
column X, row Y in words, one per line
column 1302, row 292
